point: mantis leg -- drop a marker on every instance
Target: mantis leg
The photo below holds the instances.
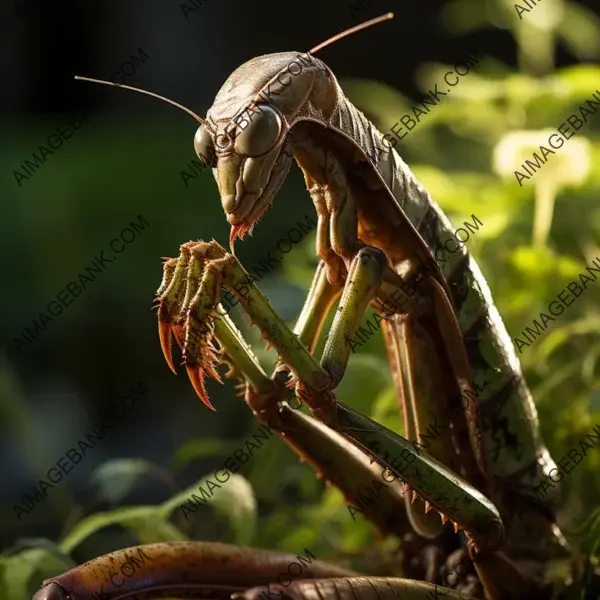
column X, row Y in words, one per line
column 330, row 454
column 418, row 381
column 333, row 457
column 416, row 377
column 180, row 570
column 365, row 276
column 207, row 268
column 335, row 200
column 211, row 266
column 359, row 588
column 222, row 571
column 321, row 296
column 187, row 307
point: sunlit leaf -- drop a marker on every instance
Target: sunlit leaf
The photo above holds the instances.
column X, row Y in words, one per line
column 152, row 528
column 553, row 340
column 543, row 391
column 556, row 338
column 23, row 570
column 543, row 263
column 90, row 525
column 576, row 83
column 234, row 499
column 580, row 29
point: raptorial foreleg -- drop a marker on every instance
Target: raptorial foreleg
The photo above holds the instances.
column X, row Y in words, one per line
column 438, row 486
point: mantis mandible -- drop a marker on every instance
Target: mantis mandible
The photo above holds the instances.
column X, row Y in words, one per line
column 378, row 233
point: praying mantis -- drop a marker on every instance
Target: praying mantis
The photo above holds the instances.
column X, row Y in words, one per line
column 378, row 235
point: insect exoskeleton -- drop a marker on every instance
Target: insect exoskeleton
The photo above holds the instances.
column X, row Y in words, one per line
column 53, row 591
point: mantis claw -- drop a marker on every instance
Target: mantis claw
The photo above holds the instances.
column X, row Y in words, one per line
column 196, row 375
column 201, row 358
column 187, row 298
column 165, row 329
column 179, row 336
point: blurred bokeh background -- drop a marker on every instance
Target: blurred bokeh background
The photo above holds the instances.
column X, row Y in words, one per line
column 126, row 159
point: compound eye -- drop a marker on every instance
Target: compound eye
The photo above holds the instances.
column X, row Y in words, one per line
column 261, row 133
column 204, row 147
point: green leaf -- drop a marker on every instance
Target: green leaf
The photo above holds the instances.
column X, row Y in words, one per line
column 590, row 546
column 584, row 527
column 121, row 516
column 575, row 83
column 593, row 542
column 116, row 479
column 153, row 528
column 22, row 571
column 560, row 336
column 234, row 499
column 580, row 30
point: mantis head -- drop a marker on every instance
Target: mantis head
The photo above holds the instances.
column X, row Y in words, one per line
column 246, row 138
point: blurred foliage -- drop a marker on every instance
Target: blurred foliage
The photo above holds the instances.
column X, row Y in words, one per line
column 278, row 502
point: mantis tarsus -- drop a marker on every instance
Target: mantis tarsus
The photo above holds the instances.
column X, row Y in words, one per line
column 378, row 235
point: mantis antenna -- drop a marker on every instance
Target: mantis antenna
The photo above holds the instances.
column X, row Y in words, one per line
column 134, row 89
column 352, row 30
column 200, row 120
